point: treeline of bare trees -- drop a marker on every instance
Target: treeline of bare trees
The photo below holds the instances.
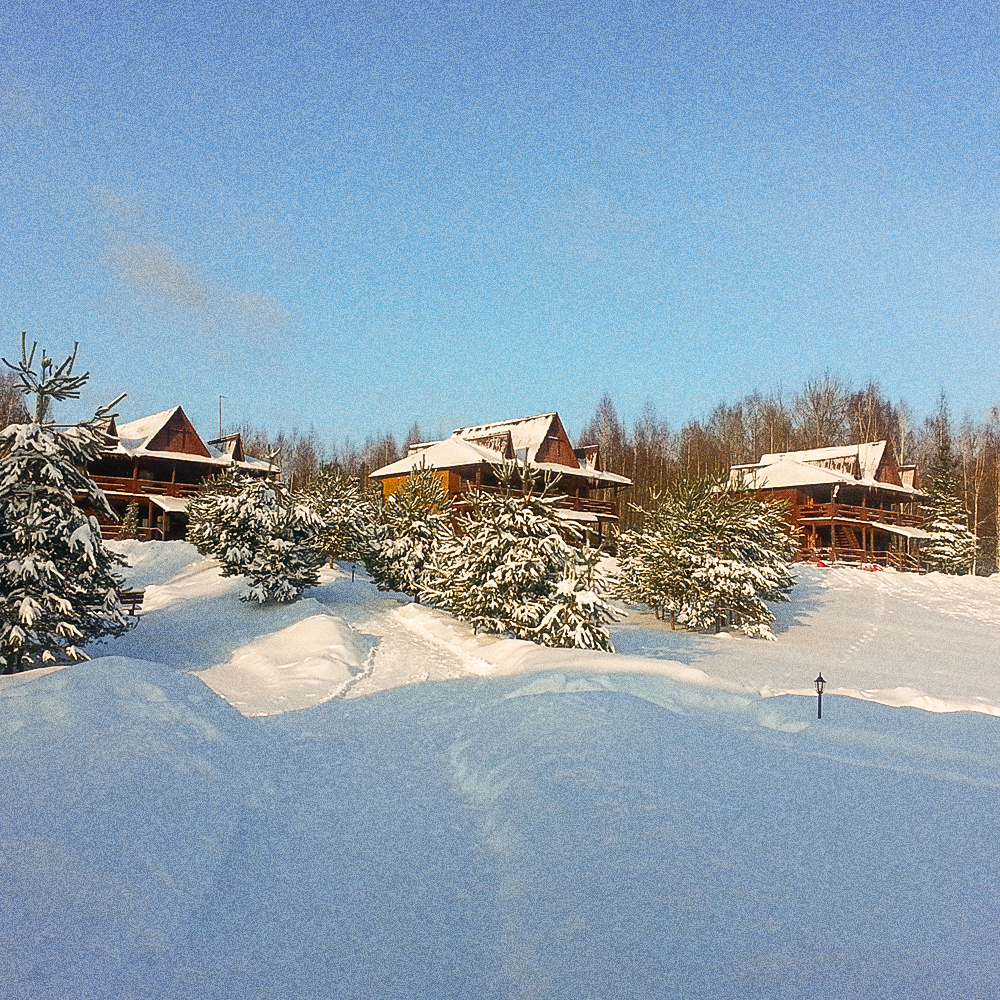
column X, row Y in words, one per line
column 825, row 413
column 302, row 454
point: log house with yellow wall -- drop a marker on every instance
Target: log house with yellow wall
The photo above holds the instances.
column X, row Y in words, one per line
column 468, row 461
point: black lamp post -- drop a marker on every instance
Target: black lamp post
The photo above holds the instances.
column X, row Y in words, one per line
column 820, row 684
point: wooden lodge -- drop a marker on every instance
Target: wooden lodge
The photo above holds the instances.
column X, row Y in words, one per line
column 159, row 462
column 851, row 503
column 468, row 461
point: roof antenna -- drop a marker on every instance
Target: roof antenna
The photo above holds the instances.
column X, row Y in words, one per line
column 221, row 398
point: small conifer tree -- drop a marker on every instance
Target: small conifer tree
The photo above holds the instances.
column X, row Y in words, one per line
column 257, row 529
column 416, row 519
column 704, row 551
column 952, row 547
column 349, row 517
column 130, row 523
column 510, row 569
column 58, row 583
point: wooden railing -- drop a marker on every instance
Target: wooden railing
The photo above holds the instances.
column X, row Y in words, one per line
column 901, row 561
column 602, row 508
column 829, row 511
column 109, row 532
column 145, row 487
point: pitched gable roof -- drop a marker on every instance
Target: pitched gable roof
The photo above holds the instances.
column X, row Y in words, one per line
column 541, row 438
column 870, row 463
column 167, row 432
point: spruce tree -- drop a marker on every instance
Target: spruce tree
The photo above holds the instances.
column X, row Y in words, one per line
column 416, row 519
column 349, row 517
column 257, row 529
column 952, row 547
column 705, row 552
column 58, row 583
column 130, row 523
column 508, row 569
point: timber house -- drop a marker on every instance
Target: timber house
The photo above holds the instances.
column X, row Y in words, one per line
column 851, row 503
column 468, row 460
column 159, row 462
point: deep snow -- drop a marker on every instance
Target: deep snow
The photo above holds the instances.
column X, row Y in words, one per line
column 536, row 823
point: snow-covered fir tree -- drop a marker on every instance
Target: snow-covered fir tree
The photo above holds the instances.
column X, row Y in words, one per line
column 508, row 569
column 952, row 547
column 349, row 517
column 706, row 552
column 58, row 583
column 130, row 523
column 257, row 529
column 416, row 520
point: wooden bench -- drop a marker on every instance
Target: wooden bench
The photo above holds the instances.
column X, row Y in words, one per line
column 131, row 599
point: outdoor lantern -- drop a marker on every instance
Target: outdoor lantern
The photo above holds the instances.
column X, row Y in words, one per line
column 820, row 684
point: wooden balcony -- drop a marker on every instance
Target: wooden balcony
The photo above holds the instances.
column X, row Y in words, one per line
column 604, row 510
column 145, row 487
column 845, row 512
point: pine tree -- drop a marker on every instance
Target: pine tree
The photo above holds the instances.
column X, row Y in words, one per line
column 58, row 584
column 349, row 528
column 416, row 519
column 705, row 552
column 508, row 569
column 257, row 529
column 952, row 547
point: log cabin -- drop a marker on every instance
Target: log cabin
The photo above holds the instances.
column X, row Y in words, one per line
column 850, row 503
column 159, row 462
column 469, row 459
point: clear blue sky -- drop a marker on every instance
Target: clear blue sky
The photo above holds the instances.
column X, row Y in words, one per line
column 358, row 215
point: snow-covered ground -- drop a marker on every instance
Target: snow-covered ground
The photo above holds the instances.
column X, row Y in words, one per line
column 244, row 801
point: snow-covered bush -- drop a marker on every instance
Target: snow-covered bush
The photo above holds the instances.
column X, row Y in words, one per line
column 416, row 519
column 58, row 583
column 706, row 551
column 256, row 529
column 349, row 528
column 509, row 569
column 952, row 547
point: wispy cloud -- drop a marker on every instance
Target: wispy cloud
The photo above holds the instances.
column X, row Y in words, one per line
column 258, row 316
column 155, row 268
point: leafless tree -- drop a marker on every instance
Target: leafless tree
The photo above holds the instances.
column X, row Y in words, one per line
column 12, row 408
column 821, row 408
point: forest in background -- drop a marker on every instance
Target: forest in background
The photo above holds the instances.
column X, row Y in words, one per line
column 827, row 411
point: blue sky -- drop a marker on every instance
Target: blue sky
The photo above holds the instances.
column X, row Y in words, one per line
column 359, row 215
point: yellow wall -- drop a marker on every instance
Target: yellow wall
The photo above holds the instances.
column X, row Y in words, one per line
column 451, row 481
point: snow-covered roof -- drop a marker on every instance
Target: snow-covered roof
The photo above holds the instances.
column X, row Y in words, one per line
column 456, row 452
column 868, row 456
column 526, row 433
column 593, row 475
column 173, row 505
column 448, row 454
column 856, row 464
column 137, row 433
column 135, row 438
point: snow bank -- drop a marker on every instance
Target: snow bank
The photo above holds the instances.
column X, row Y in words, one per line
column 926, row 642
column 297, row 667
